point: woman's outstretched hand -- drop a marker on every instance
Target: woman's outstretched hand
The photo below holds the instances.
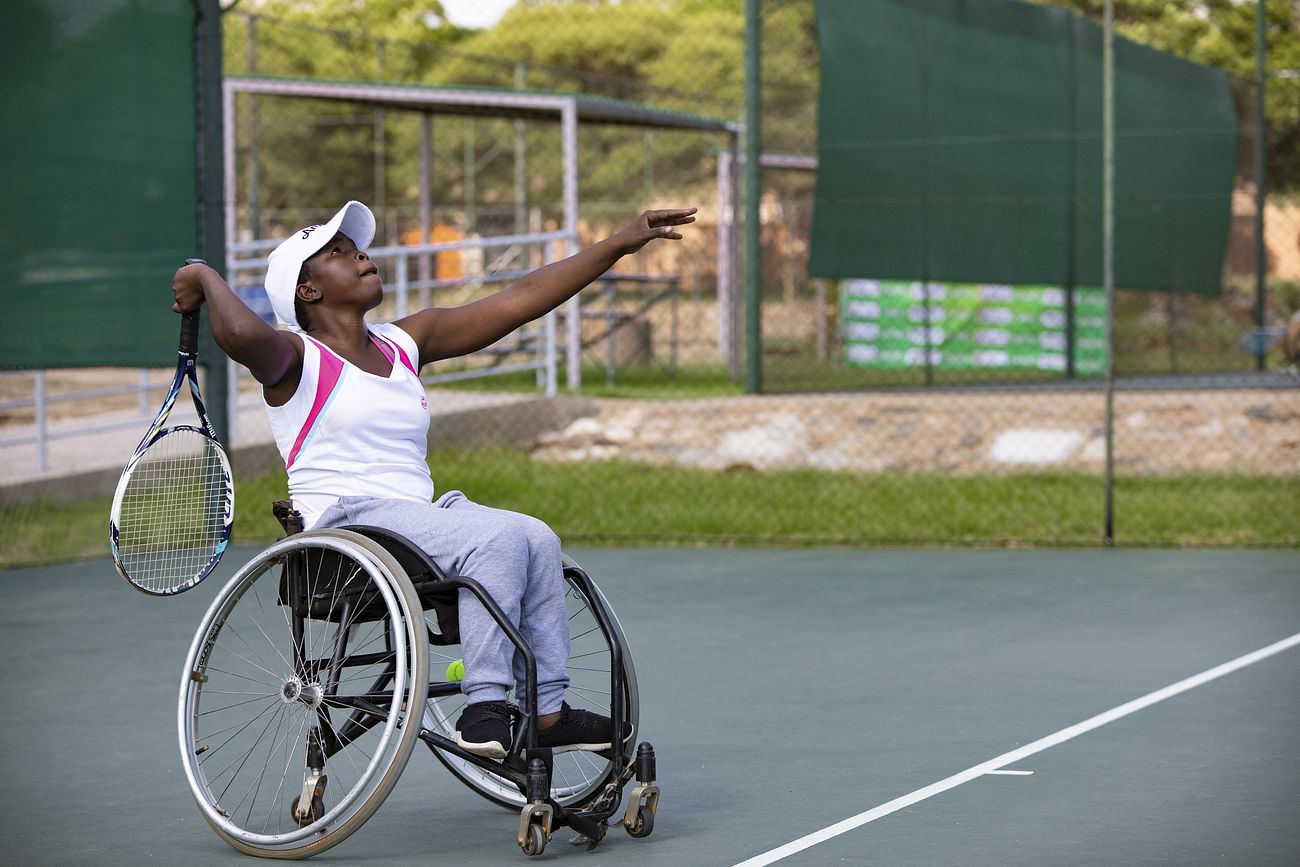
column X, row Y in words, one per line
column 650, row 225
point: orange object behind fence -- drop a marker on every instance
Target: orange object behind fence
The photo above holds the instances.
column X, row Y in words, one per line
column 447, row 265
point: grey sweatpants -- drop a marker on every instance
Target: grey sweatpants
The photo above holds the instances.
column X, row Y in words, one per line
column 517, row 560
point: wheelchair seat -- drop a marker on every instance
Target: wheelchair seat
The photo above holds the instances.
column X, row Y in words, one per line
column 426, row 576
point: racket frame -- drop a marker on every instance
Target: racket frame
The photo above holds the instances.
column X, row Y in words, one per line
column 186, row 372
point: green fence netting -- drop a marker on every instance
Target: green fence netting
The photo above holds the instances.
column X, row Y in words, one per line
column 99, row 175
column 961, row 141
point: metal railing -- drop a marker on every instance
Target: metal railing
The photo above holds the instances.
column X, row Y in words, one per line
column 42, row 435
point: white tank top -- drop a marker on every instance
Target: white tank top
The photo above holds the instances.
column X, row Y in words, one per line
column 346, row 432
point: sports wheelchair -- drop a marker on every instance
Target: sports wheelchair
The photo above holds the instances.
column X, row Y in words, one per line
column 315, row 671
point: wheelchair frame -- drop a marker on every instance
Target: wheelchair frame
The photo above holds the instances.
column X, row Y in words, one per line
column 391, row 581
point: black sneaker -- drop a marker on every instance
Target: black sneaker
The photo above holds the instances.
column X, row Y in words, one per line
column 484, row 729
column 580, row 730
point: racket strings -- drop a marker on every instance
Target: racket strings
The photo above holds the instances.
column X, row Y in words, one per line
column 173, row 512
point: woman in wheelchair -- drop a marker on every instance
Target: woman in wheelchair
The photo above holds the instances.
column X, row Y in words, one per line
column 350, row 418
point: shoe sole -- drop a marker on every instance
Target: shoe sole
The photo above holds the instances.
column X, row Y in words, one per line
column 591, row 748
column 489, row 750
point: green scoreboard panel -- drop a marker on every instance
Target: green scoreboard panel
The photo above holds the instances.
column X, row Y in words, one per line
column 968, row 326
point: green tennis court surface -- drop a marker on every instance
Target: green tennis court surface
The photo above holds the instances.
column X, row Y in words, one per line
column 785, row 692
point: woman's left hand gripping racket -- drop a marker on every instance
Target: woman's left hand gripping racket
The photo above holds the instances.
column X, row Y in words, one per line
column 175, row 502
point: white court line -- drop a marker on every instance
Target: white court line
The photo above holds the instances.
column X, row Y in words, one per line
column 1013, row 773
column 1016, row 755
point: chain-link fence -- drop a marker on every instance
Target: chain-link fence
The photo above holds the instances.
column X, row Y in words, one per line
column 659, row 441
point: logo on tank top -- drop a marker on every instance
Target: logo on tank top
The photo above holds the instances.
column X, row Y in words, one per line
column 424, row 402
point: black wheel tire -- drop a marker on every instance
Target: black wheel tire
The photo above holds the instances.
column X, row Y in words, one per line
column 536, row 842
column 317, row 810
column 644, row 824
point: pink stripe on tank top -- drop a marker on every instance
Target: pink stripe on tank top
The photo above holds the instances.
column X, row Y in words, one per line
column 331, row 369
column 386, row 341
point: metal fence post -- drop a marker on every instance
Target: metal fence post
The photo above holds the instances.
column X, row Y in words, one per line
column 753, row 196
column 1108, row 258
column 573, row 309
column 42, row 456
column 1261, row 181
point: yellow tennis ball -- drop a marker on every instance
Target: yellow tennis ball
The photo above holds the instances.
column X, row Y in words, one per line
column 456, row 671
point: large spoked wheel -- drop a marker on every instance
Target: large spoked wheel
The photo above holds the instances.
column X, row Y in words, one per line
column 296, row 693
column 578, row 775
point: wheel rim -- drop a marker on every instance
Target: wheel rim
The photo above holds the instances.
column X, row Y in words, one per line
column 247, row 709
column 578, row 775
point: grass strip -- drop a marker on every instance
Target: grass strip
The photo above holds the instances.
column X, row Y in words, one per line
column 615, row 502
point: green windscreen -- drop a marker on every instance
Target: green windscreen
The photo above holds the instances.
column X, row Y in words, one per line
column 960, row 140
column 99, row 179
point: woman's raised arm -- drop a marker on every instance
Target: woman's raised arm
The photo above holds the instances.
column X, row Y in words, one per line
column 452, row 332
column 273, row 357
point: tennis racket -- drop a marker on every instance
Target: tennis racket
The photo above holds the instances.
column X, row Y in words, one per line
column 175, row 502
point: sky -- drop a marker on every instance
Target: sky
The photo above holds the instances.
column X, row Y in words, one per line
column 475, row 14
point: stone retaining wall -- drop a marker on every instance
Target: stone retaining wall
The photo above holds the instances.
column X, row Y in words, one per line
column 1162, row 433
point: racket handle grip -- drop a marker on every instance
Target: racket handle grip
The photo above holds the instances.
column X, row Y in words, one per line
column 189, row 344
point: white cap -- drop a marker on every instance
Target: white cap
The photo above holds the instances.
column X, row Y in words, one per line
column 353, row 219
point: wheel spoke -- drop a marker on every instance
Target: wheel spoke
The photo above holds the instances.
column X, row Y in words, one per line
column 208, row 754
column 242, row 760
column 256, row 788
column 231, row 707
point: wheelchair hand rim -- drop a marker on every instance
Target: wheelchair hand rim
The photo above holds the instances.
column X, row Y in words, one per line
column 221, row 605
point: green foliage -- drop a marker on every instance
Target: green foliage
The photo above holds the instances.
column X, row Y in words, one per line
column 676, row 54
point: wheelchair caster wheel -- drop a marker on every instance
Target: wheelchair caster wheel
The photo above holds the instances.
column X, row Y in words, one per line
column 317, row 810
column 535, row 842
column 642, row 825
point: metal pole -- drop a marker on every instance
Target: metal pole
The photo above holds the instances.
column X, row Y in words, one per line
column 521, row 146
column 425, row 268
column 819, row 294
column 1071, row 199
column 212, row 183
column 470, row 172
column 648, row 175
column 611, row 326
column 1108, row 256
column 228, row 121
column 734, row 296
column 549, row 332
column 753, row 194
column 672, row 333
column 573, row 310
column 225, row 429
column 403, row 284
column 42, row 431
column 254, row 179
column 381, row 156
column 725, row 256
column 1261, row 178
